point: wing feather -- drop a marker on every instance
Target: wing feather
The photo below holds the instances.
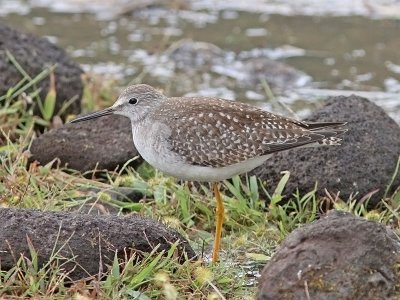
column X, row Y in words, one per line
column 218, row 133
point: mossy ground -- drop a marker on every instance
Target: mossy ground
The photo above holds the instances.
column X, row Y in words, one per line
column 255, row 223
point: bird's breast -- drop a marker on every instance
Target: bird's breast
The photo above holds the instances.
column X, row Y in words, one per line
column 152, row 142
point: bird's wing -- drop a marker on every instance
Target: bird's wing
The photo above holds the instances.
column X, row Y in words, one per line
column 218, row 133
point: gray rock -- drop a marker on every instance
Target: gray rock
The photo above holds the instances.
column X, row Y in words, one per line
column 276, row 73
column 34, row 54
column 364, row 163
column 193, row 56
column 90, row 202
column 188, row 54
column 338, row 257
column 103, row 143
column 92, row 240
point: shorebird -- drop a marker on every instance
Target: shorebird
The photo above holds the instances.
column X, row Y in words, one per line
column 209, row 139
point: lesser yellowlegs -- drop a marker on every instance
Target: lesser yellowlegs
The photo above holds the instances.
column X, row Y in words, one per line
column 210, row 139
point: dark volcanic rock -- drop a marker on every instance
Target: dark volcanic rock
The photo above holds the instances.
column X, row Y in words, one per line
column 92, row 240
column 337, row 257
column 365, row 161
column 105, row 141
column 34, row 54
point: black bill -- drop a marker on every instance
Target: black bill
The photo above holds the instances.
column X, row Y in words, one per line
column 94, row 115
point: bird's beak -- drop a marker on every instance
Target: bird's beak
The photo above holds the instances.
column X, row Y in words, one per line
column 94, row 115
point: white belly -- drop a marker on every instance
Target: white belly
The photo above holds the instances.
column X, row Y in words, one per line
column 209, row 174
column 153, row 147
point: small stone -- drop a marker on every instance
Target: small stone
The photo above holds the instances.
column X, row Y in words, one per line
column 100, row 202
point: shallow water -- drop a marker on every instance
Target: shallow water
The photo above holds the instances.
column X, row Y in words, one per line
column 351, row 48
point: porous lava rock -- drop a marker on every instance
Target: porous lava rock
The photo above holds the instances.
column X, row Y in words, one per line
column 102, row 144
column 363, row 164
column 34, row 54
column 337, row 257
column 90, row 242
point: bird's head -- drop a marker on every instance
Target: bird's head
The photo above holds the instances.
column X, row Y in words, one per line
column 135, row 102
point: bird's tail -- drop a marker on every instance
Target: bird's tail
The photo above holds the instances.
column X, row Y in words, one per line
column 331, row 130
column 332, row 137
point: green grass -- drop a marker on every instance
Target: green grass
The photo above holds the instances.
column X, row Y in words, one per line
column 255, row 223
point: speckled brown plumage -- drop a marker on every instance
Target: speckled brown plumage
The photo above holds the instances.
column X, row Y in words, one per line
column 177, row 135
column 218, row 133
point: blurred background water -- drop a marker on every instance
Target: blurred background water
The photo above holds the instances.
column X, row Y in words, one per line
column 306, row 50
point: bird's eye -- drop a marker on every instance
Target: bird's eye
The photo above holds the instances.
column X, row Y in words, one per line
column 133, row 101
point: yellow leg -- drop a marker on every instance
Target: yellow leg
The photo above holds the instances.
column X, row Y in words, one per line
column 218, row 223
